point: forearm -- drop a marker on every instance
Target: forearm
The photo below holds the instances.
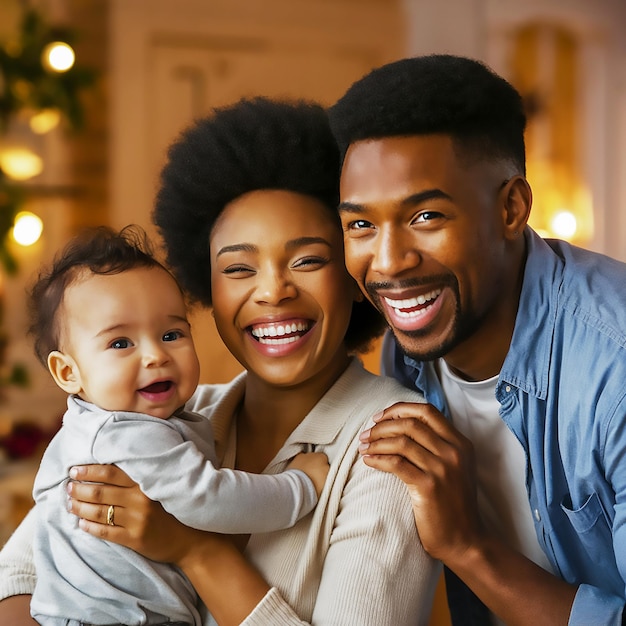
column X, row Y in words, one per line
column 517, row 590
column 15, row 611
column 228, row 585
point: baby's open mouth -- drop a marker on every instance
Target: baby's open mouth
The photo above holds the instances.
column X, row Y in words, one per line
column 159, row 387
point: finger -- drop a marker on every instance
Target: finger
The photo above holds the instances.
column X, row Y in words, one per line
column 398, row 465
column 416, row 421
column 393, row 451
column 424, row 412
column 97, row 513
column 416, row 443
column 97, row 493
column 397, row 436
column 116, row 534
column 109, row 474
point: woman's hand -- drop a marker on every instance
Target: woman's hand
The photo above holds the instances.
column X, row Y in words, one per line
column 225, row 581
column 138, row 522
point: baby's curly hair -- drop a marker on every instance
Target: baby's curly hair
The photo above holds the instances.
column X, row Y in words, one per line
column 438, row 93
column 251, row 145
column 99, row 250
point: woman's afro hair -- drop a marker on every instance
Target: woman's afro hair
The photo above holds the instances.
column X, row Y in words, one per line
column 431, row 94
column 254, row 144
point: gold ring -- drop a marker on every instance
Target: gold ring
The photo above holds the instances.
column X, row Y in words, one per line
column 110, row 515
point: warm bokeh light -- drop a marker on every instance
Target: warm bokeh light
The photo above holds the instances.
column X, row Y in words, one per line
column 27, row 228
column 58, row 56
column 44, row 121
column 564, row 225
column 20, row 163
column 562, row 205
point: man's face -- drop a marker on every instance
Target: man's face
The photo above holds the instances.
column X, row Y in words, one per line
column 424, row 238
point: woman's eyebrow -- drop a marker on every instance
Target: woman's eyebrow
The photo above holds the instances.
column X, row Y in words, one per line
column 291, row 244
column 305, row 241
column 237, row 247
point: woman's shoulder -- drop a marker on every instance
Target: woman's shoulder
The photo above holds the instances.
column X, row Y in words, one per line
column 208, row 397
column 377, row 387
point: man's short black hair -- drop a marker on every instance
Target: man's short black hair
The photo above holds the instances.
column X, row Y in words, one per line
column 432, row 94
column 254, row 144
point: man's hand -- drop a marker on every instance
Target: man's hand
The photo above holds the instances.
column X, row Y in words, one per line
column 416, row 443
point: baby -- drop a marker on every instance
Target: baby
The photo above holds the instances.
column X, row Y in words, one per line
column 110, row 323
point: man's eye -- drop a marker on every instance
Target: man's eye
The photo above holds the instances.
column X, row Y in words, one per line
column 173, row 335
column 120, row 344
column 359, row 225
column 427, row 216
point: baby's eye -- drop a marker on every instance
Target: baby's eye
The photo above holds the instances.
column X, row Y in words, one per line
column 172, row 335
column 120, row 344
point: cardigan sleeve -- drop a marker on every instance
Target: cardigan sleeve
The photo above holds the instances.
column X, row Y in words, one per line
column 17, row 567
column 375, row 570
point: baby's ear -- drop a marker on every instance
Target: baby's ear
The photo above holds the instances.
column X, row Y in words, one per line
column 65, row 371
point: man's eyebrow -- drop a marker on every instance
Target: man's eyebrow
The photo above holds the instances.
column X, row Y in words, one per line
column 412, row 200
column 350, row 207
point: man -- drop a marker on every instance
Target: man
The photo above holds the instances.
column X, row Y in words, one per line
column 518, row 343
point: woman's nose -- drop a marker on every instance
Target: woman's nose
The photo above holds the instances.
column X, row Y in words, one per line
column 274, row 286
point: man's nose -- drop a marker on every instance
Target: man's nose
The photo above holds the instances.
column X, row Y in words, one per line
column 395, row 252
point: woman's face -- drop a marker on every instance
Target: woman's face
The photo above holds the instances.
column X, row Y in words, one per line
column 282, row 297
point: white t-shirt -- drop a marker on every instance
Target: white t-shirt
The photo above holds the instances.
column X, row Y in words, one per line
column 500, row 462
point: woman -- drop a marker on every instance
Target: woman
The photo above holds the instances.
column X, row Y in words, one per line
column 247, row 212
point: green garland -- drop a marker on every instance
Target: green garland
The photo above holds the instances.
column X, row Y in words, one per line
column 26, row 85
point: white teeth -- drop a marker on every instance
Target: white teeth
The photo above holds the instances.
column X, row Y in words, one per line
column 411, row 303
column 280, row 342
column 280, row 331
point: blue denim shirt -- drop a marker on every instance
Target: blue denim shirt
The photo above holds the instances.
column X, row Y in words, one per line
column 562, row 391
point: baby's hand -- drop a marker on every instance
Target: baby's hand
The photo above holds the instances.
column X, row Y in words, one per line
column 314, row 465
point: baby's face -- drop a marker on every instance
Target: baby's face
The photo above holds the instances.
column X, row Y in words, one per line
column 130, row 341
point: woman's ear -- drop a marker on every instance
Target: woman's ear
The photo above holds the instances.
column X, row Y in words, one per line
column 517, row 199
column 65, row 372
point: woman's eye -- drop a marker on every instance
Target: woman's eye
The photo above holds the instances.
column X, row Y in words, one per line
column 120, row 344
column 237, row 270
column 173, row 335
column 310, row 262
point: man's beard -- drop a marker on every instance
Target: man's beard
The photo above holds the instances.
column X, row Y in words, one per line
column 463, row 325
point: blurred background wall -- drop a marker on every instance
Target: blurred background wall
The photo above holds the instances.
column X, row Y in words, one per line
column 157, row 64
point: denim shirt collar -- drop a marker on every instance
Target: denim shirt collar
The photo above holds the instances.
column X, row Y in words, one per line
column 527, row 363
